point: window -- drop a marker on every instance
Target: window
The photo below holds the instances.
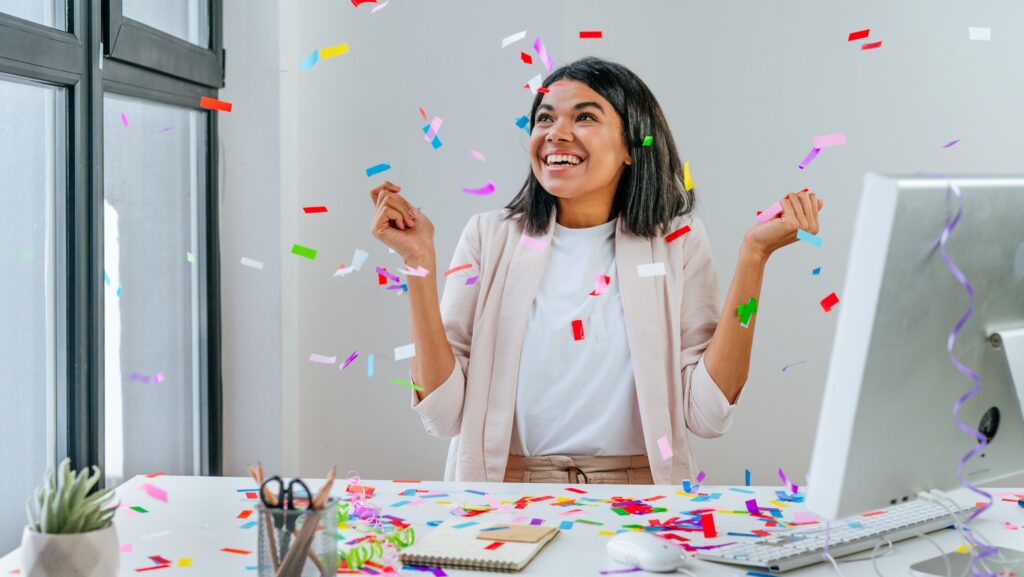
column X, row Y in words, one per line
column 109, row 343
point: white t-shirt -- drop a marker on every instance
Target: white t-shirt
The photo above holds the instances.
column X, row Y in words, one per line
column 577, row 397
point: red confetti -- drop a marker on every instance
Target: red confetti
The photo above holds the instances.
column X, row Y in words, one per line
column 577, row 330
column 870, row 45
column 423, row 113
column 160, row 560
column 543, row 90
column 251, row 495
column 859, row 34
column 591, row 34
column 830, row 301
column 312, row 209
column 526, row 58
column 244, row 514
column 154, row 475
column 214, row 104
column 494, row 545
column 141, row 569
column 671, row 237
column 363, row 489
column 356, row 3
column 236, row 551
column 381, row 279
column 456, row 269
column 575, row 490
column 707, row 521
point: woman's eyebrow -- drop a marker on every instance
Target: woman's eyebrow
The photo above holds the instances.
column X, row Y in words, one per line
column 578, row 106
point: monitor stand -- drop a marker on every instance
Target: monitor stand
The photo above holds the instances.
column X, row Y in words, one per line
column 1007, row 560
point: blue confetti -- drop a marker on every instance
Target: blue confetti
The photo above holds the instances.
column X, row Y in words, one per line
column 377, row 169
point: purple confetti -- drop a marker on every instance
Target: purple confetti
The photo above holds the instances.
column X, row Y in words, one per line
column 471, row 280
column 124, row 120
column 482, row 191
column 384, row 272
column 543, row 53
column 140, row 378
column 752, row 506
column 950, row 143
column 349, row 360
column 807, row 159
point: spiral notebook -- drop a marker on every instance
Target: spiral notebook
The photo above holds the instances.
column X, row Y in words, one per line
column 468, row 549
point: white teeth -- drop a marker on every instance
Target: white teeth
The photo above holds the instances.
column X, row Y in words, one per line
column 563, row 158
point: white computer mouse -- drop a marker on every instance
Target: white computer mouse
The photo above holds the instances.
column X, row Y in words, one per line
column 643, row 550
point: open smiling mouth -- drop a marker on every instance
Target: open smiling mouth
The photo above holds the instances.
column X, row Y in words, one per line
column 562, row 162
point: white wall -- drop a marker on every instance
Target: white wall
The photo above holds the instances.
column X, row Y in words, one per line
column 745, row 88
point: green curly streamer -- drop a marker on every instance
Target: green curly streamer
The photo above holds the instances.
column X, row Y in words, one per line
column 370, row 550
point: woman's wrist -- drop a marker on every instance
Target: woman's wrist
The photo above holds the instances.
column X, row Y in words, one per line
column 752, row 254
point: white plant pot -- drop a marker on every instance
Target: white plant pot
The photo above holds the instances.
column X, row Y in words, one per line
column 92, row 554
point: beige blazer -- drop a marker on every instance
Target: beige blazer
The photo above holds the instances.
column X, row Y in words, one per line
column 669, row 322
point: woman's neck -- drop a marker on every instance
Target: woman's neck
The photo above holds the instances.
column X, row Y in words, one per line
column 579, row 213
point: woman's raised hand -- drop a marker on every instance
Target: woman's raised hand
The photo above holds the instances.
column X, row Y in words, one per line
column 400, row 226
column 799, row 212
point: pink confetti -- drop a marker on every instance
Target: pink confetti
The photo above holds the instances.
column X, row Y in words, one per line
column 600, row 285
column 124, row 120
column 1010, row 526
column 155, row 492
column 665, row 447
column 538, row 46
column 322, row 359
column 769, row 213
column 158, row 378
column 534, row 243
column 830, row 140
column 482, row 191
column 477, row 156
column 126, row 547
column 435, row 125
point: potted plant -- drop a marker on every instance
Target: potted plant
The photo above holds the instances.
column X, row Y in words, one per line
column 70, row 533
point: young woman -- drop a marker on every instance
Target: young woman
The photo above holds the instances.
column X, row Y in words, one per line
column 540, row 370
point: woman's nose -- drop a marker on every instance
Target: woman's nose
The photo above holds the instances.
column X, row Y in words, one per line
column 559, row 132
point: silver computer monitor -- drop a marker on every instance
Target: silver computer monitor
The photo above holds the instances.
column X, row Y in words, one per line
column 886, row 429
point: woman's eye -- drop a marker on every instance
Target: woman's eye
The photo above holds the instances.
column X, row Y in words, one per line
column 543, row 118
column 586, row 114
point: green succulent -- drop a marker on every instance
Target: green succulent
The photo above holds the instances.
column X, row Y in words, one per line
column 64, row 505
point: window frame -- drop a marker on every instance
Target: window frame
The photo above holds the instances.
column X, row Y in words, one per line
column 73, row 60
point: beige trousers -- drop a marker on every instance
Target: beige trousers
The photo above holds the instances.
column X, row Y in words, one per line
column 634, row 470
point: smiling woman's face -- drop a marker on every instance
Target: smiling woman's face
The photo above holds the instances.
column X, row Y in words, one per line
column 576, row 147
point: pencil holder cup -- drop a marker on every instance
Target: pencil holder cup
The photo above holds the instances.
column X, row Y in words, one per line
column 298, row 542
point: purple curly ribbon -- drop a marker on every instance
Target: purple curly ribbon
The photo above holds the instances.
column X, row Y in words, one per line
column 979, row 550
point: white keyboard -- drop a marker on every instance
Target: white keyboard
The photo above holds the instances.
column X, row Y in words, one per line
column 804, row 546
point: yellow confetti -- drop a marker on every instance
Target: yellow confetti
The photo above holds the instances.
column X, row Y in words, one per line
column 779, row 504
column 961, row 549
column 185, row 562
column 687, row 181
column 606, row 533
column 334, row 51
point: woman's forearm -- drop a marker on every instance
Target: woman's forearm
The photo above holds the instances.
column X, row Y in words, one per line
column 727, row 358
column 434, row 358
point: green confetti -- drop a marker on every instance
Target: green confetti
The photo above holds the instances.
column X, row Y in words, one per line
column 305, row 251
column 191, row 257
column 746, row 311
column 139, row 509
column 648, row 140
column 407, row 384
column 589, row 522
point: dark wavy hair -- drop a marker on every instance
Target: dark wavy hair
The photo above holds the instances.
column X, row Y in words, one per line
column 651, row 191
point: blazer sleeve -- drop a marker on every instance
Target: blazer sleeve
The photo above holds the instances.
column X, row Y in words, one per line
column 441, row 410
column 708, row 412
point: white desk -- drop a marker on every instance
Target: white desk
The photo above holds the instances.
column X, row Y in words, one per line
column 200, row 519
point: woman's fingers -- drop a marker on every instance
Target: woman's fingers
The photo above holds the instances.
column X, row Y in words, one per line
column 797, row 210
column 386, row 218
column 399, row 204
column 810, row 212
column 386, row 185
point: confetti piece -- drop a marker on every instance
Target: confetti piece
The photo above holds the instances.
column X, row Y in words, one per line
column 746, row 477
column 687, row 180
column 591, row 34
column 154, row 475
column 139, row 509
column 407, row 383
column 677, row 233
column 251, row 263
column 304, row 251
column 792, row 365
column 535, row 84
column 665, row 447
column 871, row 45
column 830, row 140
column 808, row 237
column 334, row 51
column 601, row 282
column 482, row 191
column 140, row 378
column 124, row 120
column 746, row 311
column 769, row 213
column 809, row 158
column 190, row 257
column 707, row 522
column 377, row 169
column 524, row 123
column 244, row 514
column 405, row 352
column 577, row 330
column 494, row 545
column 466, row 524
column 471, row 280
column 981, row 34
column 950, row 143
column 380, row 7
column 310, row 61
column 418, row 271
column 314, row 209
column 542, row 52
column 356, row 3
column 358, row 258
column 793, row 488
column 526, row 58
column 323, row 360
column 830, row 301
column 513, row 38
column 816, row 271
column 154, row 492
column 436, row 141
column 159, row 560
column 185, row 562
column 236, row 551
column 158, row 378
column 653, row 269
column 348, row 361
column 477, row 156
column 858, row 35
column 456, row 269
column 648, row 140
column 435, row 127
column 534, row 243
column 214, row 104
column 369, row 366
column 752, row 506
column 126, row 547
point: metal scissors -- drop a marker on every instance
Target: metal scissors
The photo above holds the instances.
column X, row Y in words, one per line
column 287, row 496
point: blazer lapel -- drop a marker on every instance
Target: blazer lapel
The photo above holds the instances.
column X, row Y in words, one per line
column 643, row 303
column 520, row 289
